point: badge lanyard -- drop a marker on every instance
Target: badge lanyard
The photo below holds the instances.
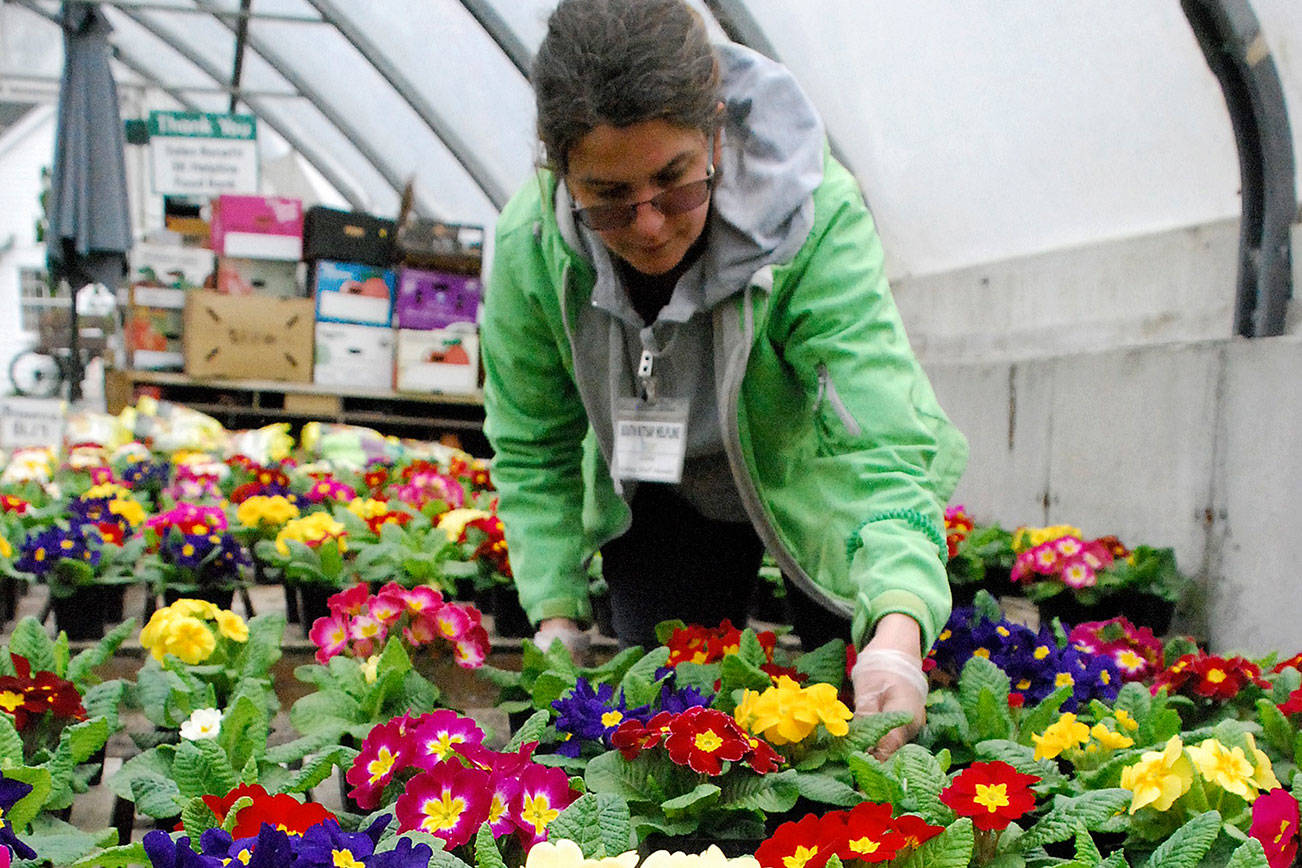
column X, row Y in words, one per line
column 650, row 431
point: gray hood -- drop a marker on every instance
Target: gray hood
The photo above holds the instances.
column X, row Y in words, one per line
column 769, row 165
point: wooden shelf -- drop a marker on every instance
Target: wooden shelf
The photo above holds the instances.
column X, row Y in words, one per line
column 239, row 404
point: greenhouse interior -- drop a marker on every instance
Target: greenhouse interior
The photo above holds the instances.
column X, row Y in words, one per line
column 959, row 338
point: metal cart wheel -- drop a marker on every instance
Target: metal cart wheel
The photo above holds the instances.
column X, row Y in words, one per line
column 36, row 374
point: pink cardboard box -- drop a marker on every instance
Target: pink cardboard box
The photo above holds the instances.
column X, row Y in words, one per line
column 258, row 227
column 435, row 299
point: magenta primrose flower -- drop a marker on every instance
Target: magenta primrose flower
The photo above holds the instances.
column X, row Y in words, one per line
column 330, row 489
column 350, row 601
column 440, row 735
column 385, row 752
column 449, row 801
column 544, row 793
column 189, row 519
column 330, row 635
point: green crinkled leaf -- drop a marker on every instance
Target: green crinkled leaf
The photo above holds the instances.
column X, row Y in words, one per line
column 1275, row 726
column 825, row 664
column 59, row 843
column 81, row 667
column 1021, row 758
column 11, row 743
column 550, row 687
column 531, row 730
column 1249, row 854
column 76, row 745
column 293, row 751
column 104, row 700
column 1187, row 846
column 26, row 808
column 630, row 780
column 750, row 650
column 699, row 676
column 865, row 731
column 921, row 779
column 735, row 674
column 155, row 762
column 872, row 779
column 1088, row 810
column 329, row 713
column 1087, row 852
column 122, row 856
column 598, row 822
column 202, row 768
column 989, row 717
column 772, row 793
column 30, row 640
column 1116, row 860
column 826, row 789
column 244, row 730
column 952, row 848
column 644, row 670
column 197, row 818
column 614, row 669
column 702, row 797
column 262, row 649
column 486, row 853
column 317, row 768
column 157, row 797
column 1046, row 712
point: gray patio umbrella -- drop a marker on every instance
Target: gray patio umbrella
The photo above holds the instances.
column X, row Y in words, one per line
column 90, row 224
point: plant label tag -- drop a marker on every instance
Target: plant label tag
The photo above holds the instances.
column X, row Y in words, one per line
column 650, row 439
column 31, row 422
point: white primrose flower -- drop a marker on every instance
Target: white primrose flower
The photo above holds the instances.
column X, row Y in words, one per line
column 203, row 723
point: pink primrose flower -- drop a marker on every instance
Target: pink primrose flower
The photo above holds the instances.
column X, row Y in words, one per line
column 544, row 793
column 453, row 621
column 421, row 631
column 366, row 628
column 330, row 635
column 1068, row 546
column 189, row 519
column 330, row 489
column 449, row 801
column 1077, row 574
column 471, row 650
column 1096, row 555
column 387, row 608
column 351, row 601
column 1044, row 559
column 383, row 754
column 442, row 735
column 1275, row 825
column 422, row 598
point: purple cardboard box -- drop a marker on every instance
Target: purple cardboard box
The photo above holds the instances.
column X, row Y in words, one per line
column 435, row 299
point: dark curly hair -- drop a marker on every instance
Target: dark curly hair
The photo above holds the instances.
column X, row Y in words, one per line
column 620, row 62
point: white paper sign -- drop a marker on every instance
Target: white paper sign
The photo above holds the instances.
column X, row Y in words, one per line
column 194, row 154
column 650, row 440
column 31, row 422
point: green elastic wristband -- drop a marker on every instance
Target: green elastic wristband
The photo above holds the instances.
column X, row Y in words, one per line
column 911, row 517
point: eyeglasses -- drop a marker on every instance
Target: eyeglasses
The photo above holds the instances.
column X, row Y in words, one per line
column 675, row 200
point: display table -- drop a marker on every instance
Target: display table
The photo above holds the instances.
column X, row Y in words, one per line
column 455, row 419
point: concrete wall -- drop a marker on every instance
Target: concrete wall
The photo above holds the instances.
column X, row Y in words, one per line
column 1134, row 414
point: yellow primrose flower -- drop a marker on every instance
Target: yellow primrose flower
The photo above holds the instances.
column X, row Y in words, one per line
column 6, row 550
column 454, row 521
column 1159, row 777
column 563, row 853
column 1029, row 537
column 189, row 639
column 1124, row 720
column 1228, row 768
column 787, row 713
column 232, row 626
column 109, row 490
column 266, row 511
column 129, row 509
column 1263, row 775
column 1109, row 739
column 367, row 507
column 370, row 668
column 1062, row 735
column 151, row 636
column 311, row 530
column 195, row 608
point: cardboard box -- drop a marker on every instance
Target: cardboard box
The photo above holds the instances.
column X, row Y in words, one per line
column 170, row 265
column 248, row 337
column 357, row 356
column 349, row 292
column 435, row 299
column 438, row 360
column 258, row 227
column 258, row 277
column 153, row 328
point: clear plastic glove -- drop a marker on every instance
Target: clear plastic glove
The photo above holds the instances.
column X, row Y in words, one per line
column 886, row 678
column 566, row 631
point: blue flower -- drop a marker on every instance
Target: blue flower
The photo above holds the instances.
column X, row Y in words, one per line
column 679, row 700
column 594, row 715
column 43, row 550
column 321, row 844
column 11, row 792
column 163, row 852
column 404, row 855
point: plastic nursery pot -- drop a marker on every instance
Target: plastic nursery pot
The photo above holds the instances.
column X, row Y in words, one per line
column 80, row 615
column 219, row 597
column 313, row 603
column 509, row 619
column 692, row 844
column 1142, row 610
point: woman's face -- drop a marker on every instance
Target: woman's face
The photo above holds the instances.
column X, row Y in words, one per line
column 623, row 165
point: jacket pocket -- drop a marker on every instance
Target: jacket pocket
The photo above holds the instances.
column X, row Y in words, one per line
column 831, row 413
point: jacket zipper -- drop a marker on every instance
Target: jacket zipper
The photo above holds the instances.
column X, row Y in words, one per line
column 827, row 390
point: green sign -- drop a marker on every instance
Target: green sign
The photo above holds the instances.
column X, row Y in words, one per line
column 199, row 125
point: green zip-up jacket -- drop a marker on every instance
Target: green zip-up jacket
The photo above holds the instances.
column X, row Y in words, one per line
column 842, row 455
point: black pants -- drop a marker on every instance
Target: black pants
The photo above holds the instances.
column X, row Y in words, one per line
column 676, row 563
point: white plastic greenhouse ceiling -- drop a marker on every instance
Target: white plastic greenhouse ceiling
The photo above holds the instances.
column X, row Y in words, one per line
column 1087, row 210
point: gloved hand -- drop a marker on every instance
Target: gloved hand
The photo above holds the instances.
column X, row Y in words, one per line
column 887, row 676
column 565, row 630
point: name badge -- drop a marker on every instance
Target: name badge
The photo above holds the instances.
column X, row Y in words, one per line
column 650, row 439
